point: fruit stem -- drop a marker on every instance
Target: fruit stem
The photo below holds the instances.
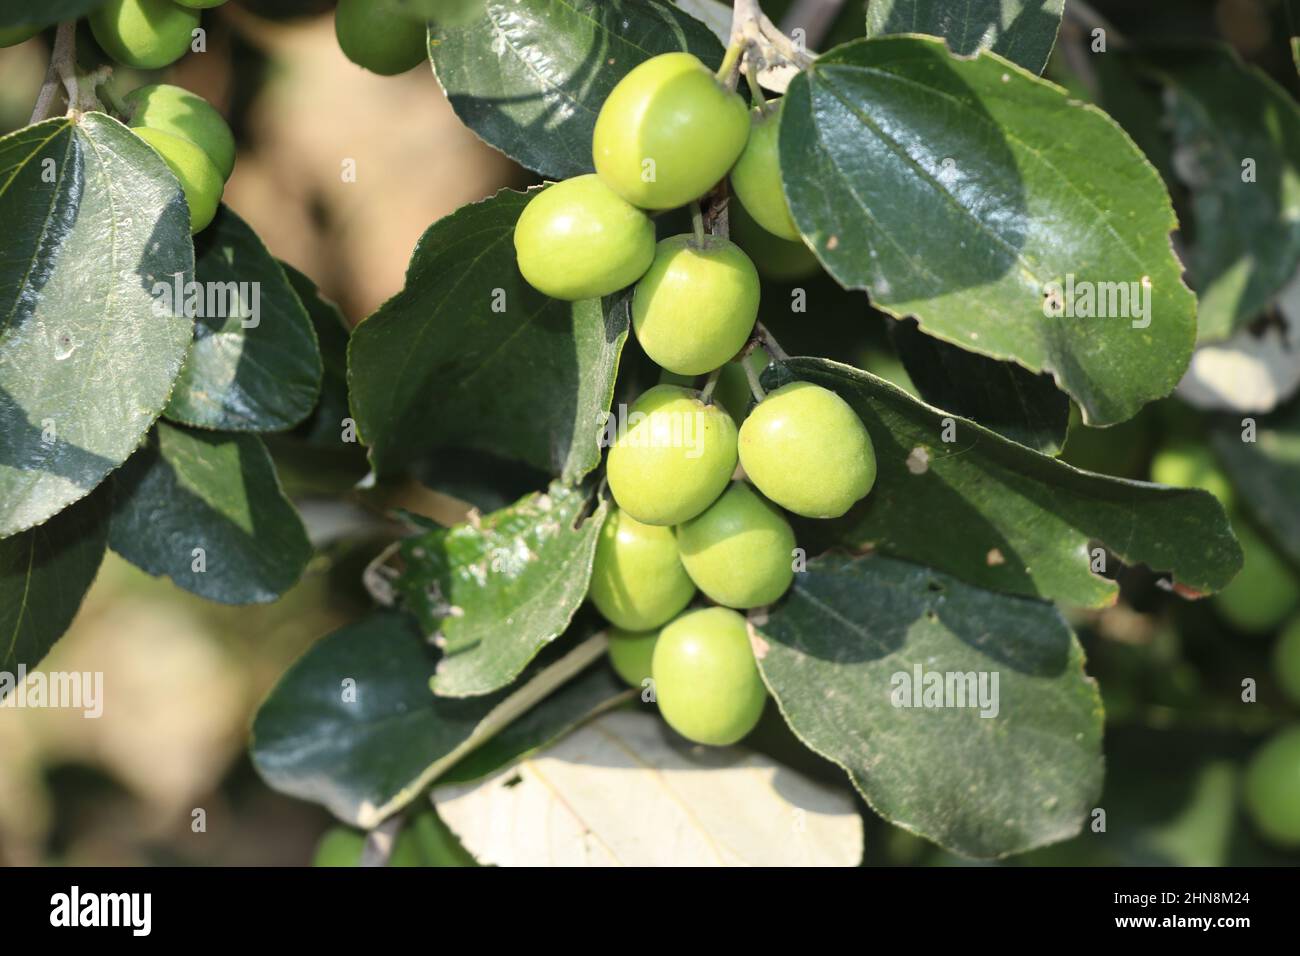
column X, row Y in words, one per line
column 728, row 73
column 706, row 393
column 754, row 386
column 697, row 220
column 770, row 343
column 755, row 89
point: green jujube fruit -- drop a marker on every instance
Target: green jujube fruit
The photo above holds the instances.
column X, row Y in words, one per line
column 377, row 37
column 145, row 34
column 738, row 552
column 1264, row 592
column 667, row 132
column 706, row 681
column 695, row 307
column 1189, row 464
column 578, row 240
column 630, row 653
column 12, row 36
column 198, row 175
column 1286, row 660
column 637, row 578
column 806, row 449
column 174, row 110
column 756, row 177
column 674, row 457
column 1272, row 788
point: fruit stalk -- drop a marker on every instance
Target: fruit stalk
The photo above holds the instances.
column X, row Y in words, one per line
column 62, row 72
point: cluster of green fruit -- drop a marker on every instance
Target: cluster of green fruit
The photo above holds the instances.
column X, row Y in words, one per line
column 381, row 37
column 1259, row 600
column 668, row 132
column 193, row 140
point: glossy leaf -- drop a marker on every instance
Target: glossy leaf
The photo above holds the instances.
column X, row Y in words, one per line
column 207, row 511
column 1008, row 760
column 324, row 426
column 496, row 590
column 92, row 220
column 44, row 574
column 255, row 365
column 469, row 355
column 1023, row 31
column 21, row 13
column 1001, row 396
column 1237, row 147
column 1266, row 472
column 352, row 725
column 626, row 790
column 529, row 76
column 1002, row 517
column 960, row 191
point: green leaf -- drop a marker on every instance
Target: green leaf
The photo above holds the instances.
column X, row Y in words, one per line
column 93, row 218
column 1023, row 31
column 352, row 725
column 255, row 365
column 959, row 190
column 1225, row 113
column 1002, row 517
column 495, row 591
column 24, row 13
column 469, row 355
column 1266, row 473
column 324, row 426
column 529, row 76
column 983, row 786
column 1001, row 396
column 187, row 490
column 44, row 574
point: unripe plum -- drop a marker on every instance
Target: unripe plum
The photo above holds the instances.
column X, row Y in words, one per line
column 706, row 681
column 806, row 449
column 637, row 579
column 756, row 177
column 145, row 34
column 578, row 240
column 199, row 177
column 738, row 552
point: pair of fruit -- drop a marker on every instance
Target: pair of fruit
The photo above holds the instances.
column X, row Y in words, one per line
column 706, row 681
column 193, row 140
column 1265, row 592
column 147, row 34
column 380, row 36
column 803, row 447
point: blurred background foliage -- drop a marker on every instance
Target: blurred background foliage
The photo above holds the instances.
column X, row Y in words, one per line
column 186, row 676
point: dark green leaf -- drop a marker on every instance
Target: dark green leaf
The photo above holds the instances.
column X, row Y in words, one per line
column 367, row 747
column 983, row 786
column 1000, row 516
column 187, row 490
column 958, row 191
column 1001, row 396
column 1265, row 473
column 497, row 590
column 468, row 354
column 44, row 574
column 21, row 13
column 92, row 220
column 529, row 76
column 255, row 365
column 1023, row 31
column 325, row 425
column 1226, row 114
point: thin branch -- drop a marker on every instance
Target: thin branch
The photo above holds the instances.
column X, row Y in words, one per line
column 706, row 393
column 770, row 343
column 62, row 72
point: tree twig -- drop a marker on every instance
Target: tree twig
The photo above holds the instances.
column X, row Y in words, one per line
column 62, row 72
